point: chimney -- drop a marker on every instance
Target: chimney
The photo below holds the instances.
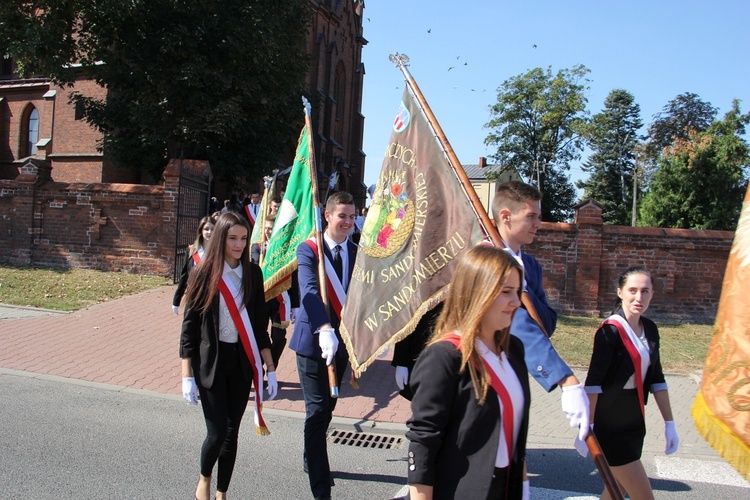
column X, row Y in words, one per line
column 482, row 162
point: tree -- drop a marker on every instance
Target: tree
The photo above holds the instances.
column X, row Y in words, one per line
column 536, row 125
column 612, row 136
column 682, row 115
column 212, row 80
column 700, row 182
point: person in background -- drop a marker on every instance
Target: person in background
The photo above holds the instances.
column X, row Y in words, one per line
column 406, row 351
column 289, row 301
column 470, row 410
column 195, row 254
column 517, row 210
column 223, row 346
column 625, row 366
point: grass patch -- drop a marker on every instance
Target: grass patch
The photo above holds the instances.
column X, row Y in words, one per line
column 683, row 346
column 69, row 289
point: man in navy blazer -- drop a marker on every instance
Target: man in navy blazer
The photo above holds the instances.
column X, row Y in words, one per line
column 316, row 339
column 517, row 210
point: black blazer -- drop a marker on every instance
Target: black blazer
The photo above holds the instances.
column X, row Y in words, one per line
column 189, row 264
column 454, row 439
column 199, row 339
column 611, row 365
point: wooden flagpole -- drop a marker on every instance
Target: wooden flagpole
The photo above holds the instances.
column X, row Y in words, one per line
column 402, row 62
column 332, row 383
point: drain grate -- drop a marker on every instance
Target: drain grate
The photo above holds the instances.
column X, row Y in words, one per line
column 365, row 440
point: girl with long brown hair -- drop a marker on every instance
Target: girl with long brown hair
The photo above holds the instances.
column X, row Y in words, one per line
column 223, row 346
column 471, row 393
column 195, row 254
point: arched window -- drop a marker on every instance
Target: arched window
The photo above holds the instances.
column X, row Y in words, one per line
column 31, row 125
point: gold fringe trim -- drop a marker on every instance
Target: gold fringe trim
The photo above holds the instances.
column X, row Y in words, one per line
column 262, row 431
column 271, row 285
column 728, row 444
column 359, row 368
column 353, row 381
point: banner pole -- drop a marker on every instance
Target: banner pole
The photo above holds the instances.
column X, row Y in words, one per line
column 332, row 382
column 402, row 61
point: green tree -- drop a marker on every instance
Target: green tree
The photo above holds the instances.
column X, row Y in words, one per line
column 213, row 80
column 536, row 125
column 684, row 114
column 612, row 136
column 701, row 181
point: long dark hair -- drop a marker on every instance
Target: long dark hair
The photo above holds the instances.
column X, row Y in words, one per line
column 623, row 279
column 199, row 240
column 204, row 279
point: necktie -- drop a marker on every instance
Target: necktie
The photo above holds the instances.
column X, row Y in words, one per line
column 337, row 265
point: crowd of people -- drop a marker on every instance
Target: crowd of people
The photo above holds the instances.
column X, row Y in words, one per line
column 463, row 368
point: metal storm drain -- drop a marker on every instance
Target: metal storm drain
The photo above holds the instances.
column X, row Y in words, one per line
column 364, row 439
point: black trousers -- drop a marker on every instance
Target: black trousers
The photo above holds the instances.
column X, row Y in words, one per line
column 278, row 335
column 223, row 407
column 319, row 406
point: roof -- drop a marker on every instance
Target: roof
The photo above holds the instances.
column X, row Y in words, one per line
column 475, row 173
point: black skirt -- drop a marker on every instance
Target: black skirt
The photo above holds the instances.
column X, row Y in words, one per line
column 620, row 429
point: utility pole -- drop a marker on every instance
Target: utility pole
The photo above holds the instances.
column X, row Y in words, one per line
column 635, row 191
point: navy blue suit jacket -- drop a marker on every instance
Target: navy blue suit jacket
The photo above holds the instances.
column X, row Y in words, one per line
column 542, row 361
column 313, row 313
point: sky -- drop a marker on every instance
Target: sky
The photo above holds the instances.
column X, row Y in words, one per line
column 462, row 52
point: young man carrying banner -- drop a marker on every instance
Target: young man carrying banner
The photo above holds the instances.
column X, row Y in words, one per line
column 316, row 339
column 517, row 210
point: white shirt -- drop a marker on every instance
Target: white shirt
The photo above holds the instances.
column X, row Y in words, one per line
column 344, row 252
column 518, row 258
column 227, row 329
column 504, row 371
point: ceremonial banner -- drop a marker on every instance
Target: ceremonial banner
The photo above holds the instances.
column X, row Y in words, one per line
column 258, row 234
column 722, row 408
column 295, row 222
column 418, row 224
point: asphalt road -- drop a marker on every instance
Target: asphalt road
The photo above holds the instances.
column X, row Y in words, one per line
column 65, row 439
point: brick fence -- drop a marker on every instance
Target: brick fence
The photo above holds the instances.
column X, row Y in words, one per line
column 111, row 227
column 583, row 260
column 132, row 227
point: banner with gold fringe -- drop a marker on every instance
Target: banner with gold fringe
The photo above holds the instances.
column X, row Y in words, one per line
column 722, row 408
column 419, row 223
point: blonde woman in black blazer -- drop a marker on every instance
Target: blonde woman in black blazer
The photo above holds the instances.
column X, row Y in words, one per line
column 215, row 363
column 467, row 438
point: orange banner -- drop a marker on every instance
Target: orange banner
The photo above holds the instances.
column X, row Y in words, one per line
column 722, row 408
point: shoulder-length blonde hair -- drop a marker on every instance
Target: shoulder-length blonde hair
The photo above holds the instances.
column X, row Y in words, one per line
column 477, row 281
column 204, row 279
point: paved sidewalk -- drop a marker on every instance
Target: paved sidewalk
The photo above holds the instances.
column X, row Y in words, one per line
column 133, row 342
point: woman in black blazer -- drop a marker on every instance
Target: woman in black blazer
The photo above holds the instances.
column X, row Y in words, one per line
column 470, row 408
column 223, row 344
column 198, row 248
column 624, row 368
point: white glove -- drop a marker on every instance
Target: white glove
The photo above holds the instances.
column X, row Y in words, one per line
column 328, row 343
column 176, row 309
column 273, row 385
column 293, row 314
column 673, row 441
column 526, row 491
column 575, row 404
column 402, row 376
column 581, row 446
column 190, row 390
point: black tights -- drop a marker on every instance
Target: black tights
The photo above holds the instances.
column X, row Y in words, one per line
column 223, row 406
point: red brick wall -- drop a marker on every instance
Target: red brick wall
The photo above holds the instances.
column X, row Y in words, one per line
column 582, row 262
column 111, row 227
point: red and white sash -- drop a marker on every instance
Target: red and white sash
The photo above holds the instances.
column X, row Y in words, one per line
column 502, row 392
column 196, row 257
column 250, row 214
column 638, row 353
column 284, row 306
column 233, row 299
column 336, row 292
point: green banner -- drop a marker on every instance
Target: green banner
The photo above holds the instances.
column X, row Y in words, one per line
column 295, row 222
column 419, row 223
